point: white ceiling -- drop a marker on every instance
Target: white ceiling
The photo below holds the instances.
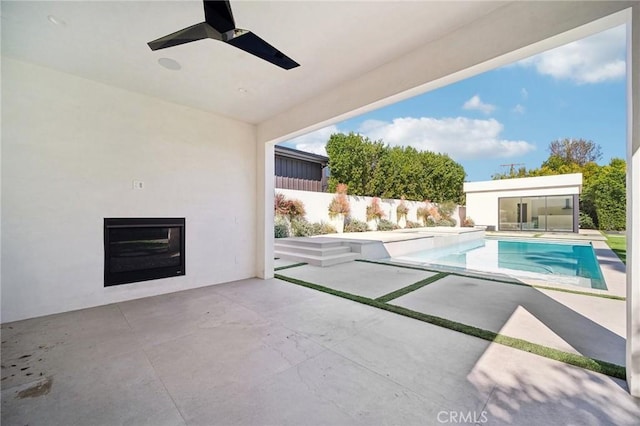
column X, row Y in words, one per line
column 333, row 41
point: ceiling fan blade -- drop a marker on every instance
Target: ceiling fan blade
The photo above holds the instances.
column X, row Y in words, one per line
column 249, row 42
column 186, row 35
column 218, row 14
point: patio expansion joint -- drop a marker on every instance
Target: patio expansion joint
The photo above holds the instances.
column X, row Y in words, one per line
column 164, row 386
column 493, row 389
column 155, row 372
column 580, row 361
column 384, row 377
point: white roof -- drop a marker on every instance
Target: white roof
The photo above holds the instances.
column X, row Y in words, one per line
column 540, row 182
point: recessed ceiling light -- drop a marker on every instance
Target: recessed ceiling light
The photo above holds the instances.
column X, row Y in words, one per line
column 56, row 21
column 169, row 64
column 242, row 90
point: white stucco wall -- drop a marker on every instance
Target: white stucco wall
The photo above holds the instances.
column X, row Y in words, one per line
column 482, row 197
column 71, row 149
column 316, row 205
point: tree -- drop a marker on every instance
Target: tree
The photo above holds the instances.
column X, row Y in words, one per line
column 353, row 160
column 606, row 192
column 372, row 169
column 576, row 151
column 513, row 173
column 603, row 198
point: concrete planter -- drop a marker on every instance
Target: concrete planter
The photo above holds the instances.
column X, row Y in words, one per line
column 402, row 222
column 373, row 224
column 338, row 223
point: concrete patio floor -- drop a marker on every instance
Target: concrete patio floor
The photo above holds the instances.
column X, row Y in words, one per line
column 575, row 323
column 268, row 352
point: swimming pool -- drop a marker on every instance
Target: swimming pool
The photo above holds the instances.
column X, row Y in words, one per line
column 552, row 262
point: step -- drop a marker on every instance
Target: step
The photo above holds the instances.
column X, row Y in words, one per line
column 311, row 250
column 319, row 242
column 318, row 260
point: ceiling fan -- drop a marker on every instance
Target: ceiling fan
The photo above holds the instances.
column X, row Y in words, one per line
column 219, row 25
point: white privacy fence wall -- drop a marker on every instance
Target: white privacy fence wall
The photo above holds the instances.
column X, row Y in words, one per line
column 316, row 205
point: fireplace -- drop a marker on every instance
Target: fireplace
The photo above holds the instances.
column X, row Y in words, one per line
column 141, row 249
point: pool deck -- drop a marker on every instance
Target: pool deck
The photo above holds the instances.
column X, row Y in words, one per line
column 576, row 323
column 399, row 242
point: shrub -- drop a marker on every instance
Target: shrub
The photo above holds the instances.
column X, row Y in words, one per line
column 386, row 225
column 411, row 224
column 325, row 228
column 445, row 222
column 402, row 210
column 468, row 222
column 340, row 203
column 430, row 222
column 355, row 225
column 423, row 214
column 374, row 211
column 434, row 214
column 296, row 209
column 302, row 228
column 286, row 207
column 446, row 209
column 586, row 222
column 281, row 227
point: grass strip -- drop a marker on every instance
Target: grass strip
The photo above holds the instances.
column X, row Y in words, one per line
column 618, row 244
column 410, row 288
column 295, row 265
column 495, row 280
column 343, row 294
column 581, row 361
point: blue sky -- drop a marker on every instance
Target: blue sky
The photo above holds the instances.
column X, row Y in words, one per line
column 509, row 115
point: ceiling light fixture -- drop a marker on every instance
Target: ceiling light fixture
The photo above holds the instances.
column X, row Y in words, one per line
column 242, row 90
column 56, row 21
column 170, row 64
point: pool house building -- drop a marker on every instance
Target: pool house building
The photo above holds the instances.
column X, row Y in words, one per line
column 545, row 203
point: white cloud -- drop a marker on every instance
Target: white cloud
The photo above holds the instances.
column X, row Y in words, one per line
column 519, row 109
column 524, row 93
column 475, row 103
column 315, row 141
column 460, row 137
column 594, row 59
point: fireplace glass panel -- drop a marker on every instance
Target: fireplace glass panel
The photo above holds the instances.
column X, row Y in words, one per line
column 140, row 249
column 144, row 248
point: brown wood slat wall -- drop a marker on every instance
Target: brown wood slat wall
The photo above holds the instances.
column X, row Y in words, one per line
column 298, row 184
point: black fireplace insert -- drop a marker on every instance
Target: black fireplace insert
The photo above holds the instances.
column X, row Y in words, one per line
column 141, row 249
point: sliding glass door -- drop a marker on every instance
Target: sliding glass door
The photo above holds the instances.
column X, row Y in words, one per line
column 560, row 213
column 549, row 213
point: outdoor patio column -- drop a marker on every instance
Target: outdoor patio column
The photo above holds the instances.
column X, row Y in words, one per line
column 264, row 209
column 633, row 203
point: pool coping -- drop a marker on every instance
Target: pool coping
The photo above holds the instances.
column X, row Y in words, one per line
column 612, row 268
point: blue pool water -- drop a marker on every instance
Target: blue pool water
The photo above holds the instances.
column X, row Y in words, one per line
column 552, row 262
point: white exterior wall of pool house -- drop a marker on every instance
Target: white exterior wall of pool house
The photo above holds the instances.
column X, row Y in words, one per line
column 483, row 197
